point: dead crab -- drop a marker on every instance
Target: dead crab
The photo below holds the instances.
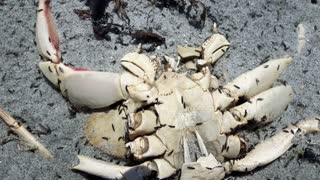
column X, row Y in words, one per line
column 163, row 109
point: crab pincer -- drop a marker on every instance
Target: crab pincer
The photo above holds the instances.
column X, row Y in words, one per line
column 95, row 89
column 46, row 34
column 87, row 88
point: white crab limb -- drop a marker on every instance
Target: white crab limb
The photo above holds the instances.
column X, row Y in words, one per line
column 84, row 88
column 213, row 48
column 25, row 135
column 250, row 83
column 142, row 123
column 112, row 171
column 273, row 147
column 100, row 168
column 146, row 146
column 96, row 89
column 188, row 53
column 262, row 108
column 140, row 65
column 46, row 35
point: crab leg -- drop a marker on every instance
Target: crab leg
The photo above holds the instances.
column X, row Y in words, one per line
column 250, row 83
column 46, row 34
column 261, row 108
column 95, row 89
column 273, row 147
column 83, row 87
column 90, row 88
column 111, row 171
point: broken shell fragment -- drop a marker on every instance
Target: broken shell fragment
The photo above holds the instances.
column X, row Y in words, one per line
column 187, row 53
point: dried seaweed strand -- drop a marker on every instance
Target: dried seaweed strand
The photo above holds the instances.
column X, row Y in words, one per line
column 24, row 134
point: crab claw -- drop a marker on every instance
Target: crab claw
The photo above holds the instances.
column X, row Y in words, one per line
column 89, row 88
column 46, row 34
column 213, row 48
column 95, row 89
column 158, row 168
column 140, row 65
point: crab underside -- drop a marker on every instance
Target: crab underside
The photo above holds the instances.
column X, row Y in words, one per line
column 163, row 108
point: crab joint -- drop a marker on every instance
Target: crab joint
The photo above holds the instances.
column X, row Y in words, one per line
column 141, row 123
column 147, row 146
column 202, row 78
column 142, row 92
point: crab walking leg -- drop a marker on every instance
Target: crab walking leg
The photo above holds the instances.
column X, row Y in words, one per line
column 25, row 135
column 95, row 89
column 250, row 83
column 273, row 147
column 46, row 34
column 261, row 108
column 112, row 171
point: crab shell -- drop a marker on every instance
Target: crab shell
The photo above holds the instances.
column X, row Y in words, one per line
column 179, row 110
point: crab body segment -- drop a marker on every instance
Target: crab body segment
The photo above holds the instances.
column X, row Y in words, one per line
column 159, row 114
